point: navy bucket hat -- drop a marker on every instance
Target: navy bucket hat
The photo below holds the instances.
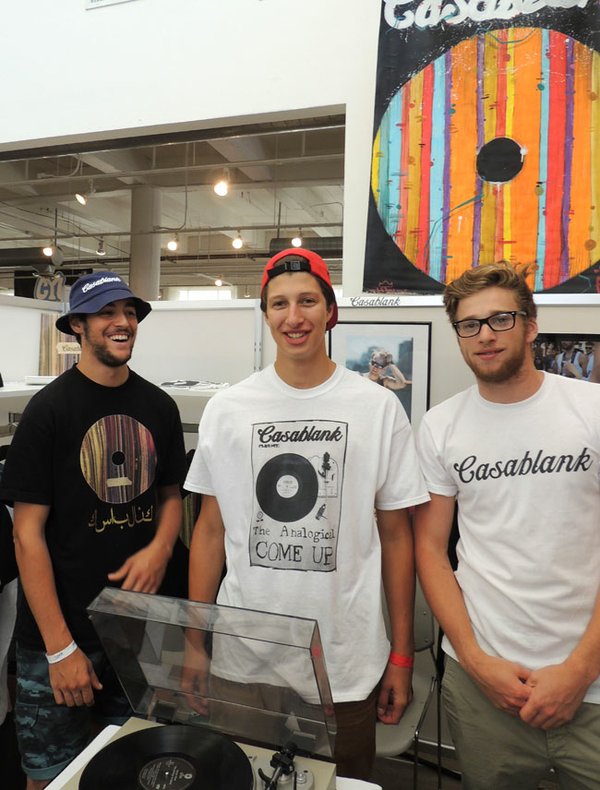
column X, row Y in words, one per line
column 92, row 292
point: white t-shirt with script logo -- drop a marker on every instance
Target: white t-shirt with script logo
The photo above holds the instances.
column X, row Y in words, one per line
column 527, row 480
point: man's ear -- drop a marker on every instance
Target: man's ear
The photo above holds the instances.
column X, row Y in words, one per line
column 532, row 329
column 76, row 324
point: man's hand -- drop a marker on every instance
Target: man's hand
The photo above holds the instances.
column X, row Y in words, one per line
column 144, row 570
column 196, row 672
column 503, row 682
column 557, row 691
column 394, row 694
column 73, row 680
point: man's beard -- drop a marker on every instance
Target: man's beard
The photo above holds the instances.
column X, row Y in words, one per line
column 103, row 355
column 507, row 370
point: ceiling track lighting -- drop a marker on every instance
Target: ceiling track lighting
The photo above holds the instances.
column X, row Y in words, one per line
column 221, row 187
column 48, row 250
column 238, row 242
column 173, row 243
column 101, row 251
column 297, row 240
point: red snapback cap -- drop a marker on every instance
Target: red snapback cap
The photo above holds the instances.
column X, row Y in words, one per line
column 297, row 259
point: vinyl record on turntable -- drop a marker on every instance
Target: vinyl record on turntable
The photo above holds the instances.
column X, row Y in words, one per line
column 175, row 757
column 287, row 487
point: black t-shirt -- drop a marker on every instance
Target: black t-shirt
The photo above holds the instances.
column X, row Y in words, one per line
column 8, row 564
column 96, row 456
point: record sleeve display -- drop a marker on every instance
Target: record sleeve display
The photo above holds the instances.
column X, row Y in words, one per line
column 244, row 696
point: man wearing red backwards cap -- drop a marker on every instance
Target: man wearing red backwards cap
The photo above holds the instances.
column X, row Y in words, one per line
column 291, row 463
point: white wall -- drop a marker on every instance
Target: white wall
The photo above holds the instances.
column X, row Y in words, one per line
column 217, row 342
column 448, row 372
column 166, row 65
column 20, row 336
column 194, row 341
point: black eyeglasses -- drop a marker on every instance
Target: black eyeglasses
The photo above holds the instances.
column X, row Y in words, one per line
column 499, row 322
column 376, row 364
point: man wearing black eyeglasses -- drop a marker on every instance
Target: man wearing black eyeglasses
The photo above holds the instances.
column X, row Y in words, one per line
column 519, row 454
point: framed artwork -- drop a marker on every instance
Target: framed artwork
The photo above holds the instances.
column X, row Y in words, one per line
column 485, row 144
column 392, row 355
column 576, row 356
column 58, row 352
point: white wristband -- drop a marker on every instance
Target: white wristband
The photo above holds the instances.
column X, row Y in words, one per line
column 54, row 658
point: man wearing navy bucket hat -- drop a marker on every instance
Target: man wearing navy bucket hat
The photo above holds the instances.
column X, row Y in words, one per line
column 93, row 471
column 292, row 464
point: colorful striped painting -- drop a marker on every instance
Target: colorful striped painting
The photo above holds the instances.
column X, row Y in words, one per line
column 492, row 152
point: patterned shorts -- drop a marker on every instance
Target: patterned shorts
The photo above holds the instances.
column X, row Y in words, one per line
column 51, row 735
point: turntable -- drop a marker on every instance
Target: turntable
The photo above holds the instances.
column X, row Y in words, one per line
column 224, row 698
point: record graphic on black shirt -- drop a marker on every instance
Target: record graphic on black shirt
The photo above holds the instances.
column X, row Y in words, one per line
column 174, row 757
column 287, row 487
column 118, row 458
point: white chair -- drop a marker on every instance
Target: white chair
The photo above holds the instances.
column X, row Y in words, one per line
column 393, row 740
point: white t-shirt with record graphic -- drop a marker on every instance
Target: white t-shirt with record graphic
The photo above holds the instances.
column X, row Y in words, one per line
column 297, row 474
column 527, row 479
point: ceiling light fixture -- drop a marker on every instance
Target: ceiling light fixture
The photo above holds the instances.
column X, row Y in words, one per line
column 83, row 197
column 101, row 251
column 297, row 240
column 173, row 243
column 219, row 282
column 221, row 188
column 238, row 242
column 48, row 250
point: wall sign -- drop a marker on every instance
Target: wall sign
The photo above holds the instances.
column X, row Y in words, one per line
column 486, row 143
column 50, row 288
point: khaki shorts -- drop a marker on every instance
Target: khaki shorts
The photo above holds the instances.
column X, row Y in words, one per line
column 498, row 751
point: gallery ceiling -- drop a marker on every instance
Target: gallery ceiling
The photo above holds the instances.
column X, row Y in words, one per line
column 285, row 179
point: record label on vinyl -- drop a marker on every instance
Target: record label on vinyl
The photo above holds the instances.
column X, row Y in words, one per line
column 173, row 773
column 174, row 757
column 298, row 473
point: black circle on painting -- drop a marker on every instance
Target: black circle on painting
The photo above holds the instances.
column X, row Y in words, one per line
column 499, row 160
column 118, row 458
column 287, row 487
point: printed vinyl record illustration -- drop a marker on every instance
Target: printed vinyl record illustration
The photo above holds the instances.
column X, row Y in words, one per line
column 287, row 487
column 118, row 458
column 492, row 151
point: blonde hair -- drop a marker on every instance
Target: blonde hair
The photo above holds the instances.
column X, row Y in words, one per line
column 491, row 275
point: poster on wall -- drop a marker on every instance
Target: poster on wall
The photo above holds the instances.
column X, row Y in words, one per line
column 391, row 355
column 58, row 352
column 576, row 356
column 486, row 144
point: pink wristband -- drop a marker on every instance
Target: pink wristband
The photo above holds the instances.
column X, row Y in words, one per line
column 406, row 662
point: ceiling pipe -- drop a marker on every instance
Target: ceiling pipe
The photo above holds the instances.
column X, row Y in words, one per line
column 243, row 163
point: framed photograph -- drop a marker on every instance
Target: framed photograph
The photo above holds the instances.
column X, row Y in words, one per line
column 576, row 356
column 391, row 355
